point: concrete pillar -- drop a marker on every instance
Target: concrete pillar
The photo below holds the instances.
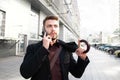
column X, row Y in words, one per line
column 62, row 33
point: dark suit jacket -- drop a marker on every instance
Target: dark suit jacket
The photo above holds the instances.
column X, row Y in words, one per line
column 36, row 63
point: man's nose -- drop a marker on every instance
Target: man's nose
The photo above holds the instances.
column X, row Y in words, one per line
column 53, row 28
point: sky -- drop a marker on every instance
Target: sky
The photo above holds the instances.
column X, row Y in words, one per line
column 98, row 15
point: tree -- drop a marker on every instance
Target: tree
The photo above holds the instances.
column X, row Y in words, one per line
column 117, row 32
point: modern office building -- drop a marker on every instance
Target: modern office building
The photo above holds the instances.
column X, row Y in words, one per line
column 21, row 22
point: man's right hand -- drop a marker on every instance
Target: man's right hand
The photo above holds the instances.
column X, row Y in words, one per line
column 46, row 40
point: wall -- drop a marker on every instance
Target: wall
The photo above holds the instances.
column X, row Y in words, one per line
column 7, row 48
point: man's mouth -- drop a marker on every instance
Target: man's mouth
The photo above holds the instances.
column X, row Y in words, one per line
column 53, row 35
column 53, row 39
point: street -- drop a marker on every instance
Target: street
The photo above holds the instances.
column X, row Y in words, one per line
column 102, row 67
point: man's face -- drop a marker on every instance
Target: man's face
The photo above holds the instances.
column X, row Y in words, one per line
column 52, row 28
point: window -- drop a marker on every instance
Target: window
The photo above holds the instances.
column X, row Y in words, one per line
column 34, row 23
column 2, row 23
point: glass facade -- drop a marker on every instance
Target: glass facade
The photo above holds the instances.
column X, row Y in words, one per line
column 2, row 23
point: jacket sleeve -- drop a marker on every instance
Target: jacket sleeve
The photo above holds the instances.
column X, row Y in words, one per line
column 77, row 68
column 33, row 60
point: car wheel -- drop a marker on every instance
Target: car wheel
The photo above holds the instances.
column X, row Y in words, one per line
column 110, row 51
column 118, row 54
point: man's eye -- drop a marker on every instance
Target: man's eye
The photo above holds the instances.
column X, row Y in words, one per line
column 55, row 26
column 49, row 26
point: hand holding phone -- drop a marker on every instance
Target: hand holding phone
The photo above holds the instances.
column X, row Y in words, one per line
column 46, row 40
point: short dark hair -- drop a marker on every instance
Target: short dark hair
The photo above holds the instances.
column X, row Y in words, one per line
column 50, row 18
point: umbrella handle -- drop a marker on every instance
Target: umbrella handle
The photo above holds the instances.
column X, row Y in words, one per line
column 87, row 44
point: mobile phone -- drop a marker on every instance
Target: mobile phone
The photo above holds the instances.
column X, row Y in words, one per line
column 43, row 32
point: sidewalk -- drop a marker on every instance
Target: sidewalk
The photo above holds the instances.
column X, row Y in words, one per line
column 9, row 68
column 102, row 67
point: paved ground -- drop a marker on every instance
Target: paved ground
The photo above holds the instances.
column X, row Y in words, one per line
column 9, row 68
column 102, row 67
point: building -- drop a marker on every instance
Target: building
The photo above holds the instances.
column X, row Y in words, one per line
column 21, row 22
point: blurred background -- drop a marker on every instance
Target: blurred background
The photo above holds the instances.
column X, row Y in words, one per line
column 97, row 21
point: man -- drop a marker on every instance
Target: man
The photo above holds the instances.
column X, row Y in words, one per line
column 37, row 61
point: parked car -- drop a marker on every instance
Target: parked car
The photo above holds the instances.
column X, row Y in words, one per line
column 107, row 47
column 117, row 53
column 103, row 47
column 112, row 49
column 99, row 45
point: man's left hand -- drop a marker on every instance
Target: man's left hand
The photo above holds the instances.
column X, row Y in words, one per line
column 79, row 51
